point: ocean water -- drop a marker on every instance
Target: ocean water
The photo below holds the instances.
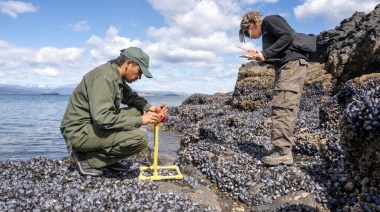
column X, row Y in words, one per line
column 29, row 125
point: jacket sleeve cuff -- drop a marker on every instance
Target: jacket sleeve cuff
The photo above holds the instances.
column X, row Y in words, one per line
column 147, row 106
column 264, row 54
column 139, row 121
column 133, row 122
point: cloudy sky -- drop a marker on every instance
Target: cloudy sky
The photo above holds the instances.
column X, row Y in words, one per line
column 191, row 43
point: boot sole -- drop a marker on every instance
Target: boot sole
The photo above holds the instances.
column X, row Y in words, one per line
column 117, row 169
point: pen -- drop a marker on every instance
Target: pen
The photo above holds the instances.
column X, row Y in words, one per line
column 242, row 48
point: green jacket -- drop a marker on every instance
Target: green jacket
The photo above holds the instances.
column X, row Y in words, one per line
column 97, row 99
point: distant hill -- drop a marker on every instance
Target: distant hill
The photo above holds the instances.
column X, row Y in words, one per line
column 16, row 89
column 67, row 90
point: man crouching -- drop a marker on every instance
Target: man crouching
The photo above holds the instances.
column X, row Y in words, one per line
column 97, row 131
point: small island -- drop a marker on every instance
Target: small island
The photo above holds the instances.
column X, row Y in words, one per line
column 50, row 93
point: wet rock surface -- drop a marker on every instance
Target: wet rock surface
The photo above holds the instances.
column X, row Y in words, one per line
column 42, row 184
column 225, row 143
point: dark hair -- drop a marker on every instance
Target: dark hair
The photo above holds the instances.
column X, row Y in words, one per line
column 243, row 32
column 120, row 60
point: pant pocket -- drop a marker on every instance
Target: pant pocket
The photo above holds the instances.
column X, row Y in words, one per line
column 303, row 62
column 104, row 138
column 286, row 98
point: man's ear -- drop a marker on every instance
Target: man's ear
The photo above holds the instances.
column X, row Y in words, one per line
column 127, row 62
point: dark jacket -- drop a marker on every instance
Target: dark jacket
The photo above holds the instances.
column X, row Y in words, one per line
column 277, row 35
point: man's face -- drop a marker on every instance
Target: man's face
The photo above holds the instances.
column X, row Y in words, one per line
column 254, row 31
column 132, row 72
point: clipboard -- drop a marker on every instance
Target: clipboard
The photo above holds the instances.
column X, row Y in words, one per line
column 267, row 60
column 246, row 56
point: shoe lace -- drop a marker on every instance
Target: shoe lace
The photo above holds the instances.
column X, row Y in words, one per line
column 275, row 155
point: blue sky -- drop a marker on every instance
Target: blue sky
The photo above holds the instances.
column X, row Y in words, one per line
column 191, row 43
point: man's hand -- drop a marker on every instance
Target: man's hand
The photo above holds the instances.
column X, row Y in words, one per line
column 150, row 118
column 162, row 110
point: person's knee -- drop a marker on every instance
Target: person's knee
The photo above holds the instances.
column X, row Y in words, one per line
column 141, row 141
column 144, row 141
column 132, row 145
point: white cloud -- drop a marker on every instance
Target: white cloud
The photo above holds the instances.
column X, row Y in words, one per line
column 13, row 56
column 171, row 9
column 205, row 18
column 333, row 11
column 13, row 8
column 197, row 31
column 258, row 1
column 27, row 65
column 164, row 52
column 193, row 46
column 80, row 26
column 70, row 57
column 200, row 18
column 47, row 71
column 108, row 48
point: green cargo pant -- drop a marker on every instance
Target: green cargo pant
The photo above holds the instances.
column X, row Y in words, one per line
column 104, row 147
column 288, row 86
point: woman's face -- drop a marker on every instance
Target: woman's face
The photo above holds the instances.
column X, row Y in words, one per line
column 254, row 31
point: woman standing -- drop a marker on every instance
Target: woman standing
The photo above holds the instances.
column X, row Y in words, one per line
column 290, row 74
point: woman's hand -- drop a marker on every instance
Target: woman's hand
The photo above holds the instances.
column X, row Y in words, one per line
column 260, row 57
column 252, row 52
column 256, row 55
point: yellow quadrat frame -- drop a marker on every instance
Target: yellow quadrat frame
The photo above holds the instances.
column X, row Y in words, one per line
column 155, row 167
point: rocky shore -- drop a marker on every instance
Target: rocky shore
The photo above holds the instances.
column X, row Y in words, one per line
column 223, row 137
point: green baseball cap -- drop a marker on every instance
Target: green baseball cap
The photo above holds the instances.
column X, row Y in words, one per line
column 138, row 56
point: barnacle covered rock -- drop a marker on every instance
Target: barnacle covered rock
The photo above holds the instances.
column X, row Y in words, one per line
column 360, row 123
column 253, row 87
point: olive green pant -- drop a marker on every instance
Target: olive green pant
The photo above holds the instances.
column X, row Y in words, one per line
column 104, row 147
column 288, row 86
